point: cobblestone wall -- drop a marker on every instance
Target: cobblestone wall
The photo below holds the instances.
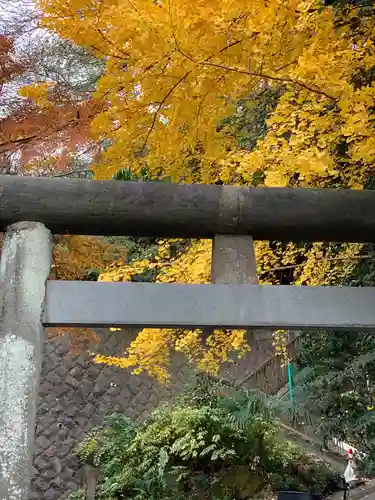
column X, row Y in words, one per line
column 76, row 394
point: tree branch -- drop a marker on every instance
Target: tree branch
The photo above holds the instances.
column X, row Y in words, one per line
column 248, row 72
column 23, row 140
column 71, row 172
column 294, row 266
column 156, row 114
column 109, row 42
column 269, row 77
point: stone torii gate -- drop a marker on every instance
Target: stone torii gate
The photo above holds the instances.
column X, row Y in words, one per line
column 33, row 208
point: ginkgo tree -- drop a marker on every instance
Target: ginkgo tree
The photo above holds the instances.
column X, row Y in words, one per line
column 175, row 68
column 174, row 72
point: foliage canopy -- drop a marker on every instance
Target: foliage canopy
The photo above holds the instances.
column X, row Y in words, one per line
column 175, row 70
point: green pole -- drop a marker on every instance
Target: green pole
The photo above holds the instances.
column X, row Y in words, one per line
column 290, row 382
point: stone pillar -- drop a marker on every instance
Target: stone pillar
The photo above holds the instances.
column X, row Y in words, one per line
column 233, row 262
column 24, row 269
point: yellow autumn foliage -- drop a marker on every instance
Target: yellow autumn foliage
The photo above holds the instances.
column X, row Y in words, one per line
column 37, row 93
column 175, row 69
column 75, row 256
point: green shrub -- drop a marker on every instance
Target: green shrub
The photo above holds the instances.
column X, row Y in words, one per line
column 77, row 495
column 202, row 446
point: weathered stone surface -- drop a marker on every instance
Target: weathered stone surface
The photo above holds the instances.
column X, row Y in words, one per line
column 24, row 268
